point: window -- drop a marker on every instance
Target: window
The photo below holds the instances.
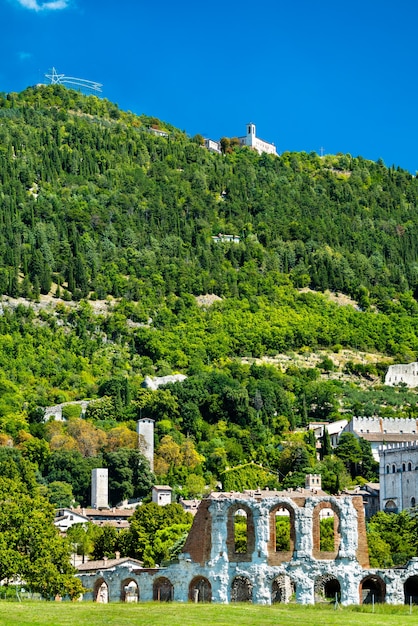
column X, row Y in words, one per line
column 282, row 530
column 240, row 532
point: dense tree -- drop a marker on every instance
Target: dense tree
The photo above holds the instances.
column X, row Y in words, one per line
column 142, row 540
column 30, row 546
column 349, row 451
column 129, row 474
column 393, row 538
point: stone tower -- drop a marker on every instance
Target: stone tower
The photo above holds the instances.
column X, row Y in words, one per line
column 145, row 430
column 99, row 488
column 313, row 482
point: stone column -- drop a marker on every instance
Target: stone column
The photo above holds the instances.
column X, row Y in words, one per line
column 303, row 533
column 348, row 530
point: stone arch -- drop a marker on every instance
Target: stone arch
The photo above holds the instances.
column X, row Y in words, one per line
column 162, row 590
column 233, row 555
column 317, row 553
column 410, row 589
column 409, row 466
column 241, row 589
column 391, row 507
column 282, row 589
column 200, row 590
column 327, row 588
column 276, row 554
column 372, row 589
column 101, row 591
column 129, row 590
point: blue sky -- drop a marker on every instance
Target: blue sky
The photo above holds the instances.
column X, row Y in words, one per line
column 310, row 74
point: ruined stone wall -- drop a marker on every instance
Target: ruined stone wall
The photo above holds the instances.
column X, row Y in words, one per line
column 210, row 569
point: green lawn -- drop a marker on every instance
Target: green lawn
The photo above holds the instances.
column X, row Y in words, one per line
column 30, row 613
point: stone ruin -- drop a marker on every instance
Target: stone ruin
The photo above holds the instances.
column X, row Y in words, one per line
column 218, row 566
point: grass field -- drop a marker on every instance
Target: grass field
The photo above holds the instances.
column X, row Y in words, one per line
column 152, row 614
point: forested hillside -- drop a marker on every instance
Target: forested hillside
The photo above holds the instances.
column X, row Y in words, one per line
column 106, row 243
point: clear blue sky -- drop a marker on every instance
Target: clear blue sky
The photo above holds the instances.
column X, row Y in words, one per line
column 308, row 73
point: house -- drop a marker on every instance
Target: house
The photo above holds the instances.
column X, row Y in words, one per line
column 158, row 132
column 67, row 517
column 370, row 493
column 190, row 506
column 161, row 494
column 213, row 146
column 334, row 430
column 221, row 238
column 252, row 141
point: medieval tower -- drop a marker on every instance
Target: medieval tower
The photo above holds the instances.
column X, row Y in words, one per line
column 145, row 430
column 99, row 488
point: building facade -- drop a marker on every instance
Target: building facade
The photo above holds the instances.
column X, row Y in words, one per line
column 398, row 474
column 379, row 431
column 251, row 140
column 402, row 375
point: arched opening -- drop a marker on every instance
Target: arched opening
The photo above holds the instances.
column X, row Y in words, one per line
column 409, row 467
column 200, row 590
column 129, row 591
column 326, row 531
column 101, row 591
column 390, row 507
column 162, row 590
column 282, row 528
column 393, row 469
column 282, row 534
column 282, row 589
column 411, row 590
column 372, row 590
column 413, row 501
column 327, row 589
column 241, row 589
column 240, row 533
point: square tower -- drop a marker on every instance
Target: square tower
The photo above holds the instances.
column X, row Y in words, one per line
column 99, row 488
column 145, row 430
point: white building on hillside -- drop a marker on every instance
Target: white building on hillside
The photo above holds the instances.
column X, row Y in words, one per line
column 379, row 431
column 398, row 476
column 252, row 141
column 402, row 374
column 213, row 146
column 334, row 430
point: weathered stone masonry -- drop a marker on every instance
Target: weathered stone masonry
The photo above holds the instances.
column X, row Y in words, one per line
column 211, row 570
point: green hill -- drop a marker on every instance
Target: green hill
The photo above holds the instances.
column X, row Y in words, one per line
column 110, row 270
